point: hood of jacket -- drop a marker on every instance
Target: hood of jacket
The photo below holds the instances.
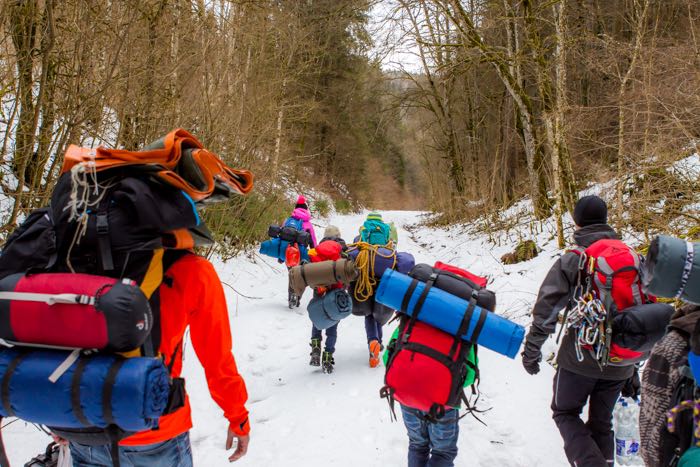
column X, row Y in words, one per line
column 588, row 235
column 685, row 318
column 301, row 214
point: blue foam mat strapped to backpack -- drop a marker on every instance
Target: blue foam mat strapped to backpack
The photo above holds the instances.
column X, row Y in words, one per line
column 138, row 395
column 446, row 311
column 276, row 248
column 329, row 309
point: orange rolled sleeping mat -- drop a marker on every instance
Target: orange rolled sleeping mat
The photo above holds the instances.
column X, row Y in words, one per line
column 178, row 159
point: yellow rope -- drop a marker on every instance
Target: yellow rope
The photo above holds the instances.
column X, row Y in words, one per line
column 366, row 256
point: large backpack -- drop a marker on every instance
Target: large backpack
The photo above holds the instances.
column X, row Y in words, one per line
column 375, row 232
column 610, row 270
column 99, row 253
column 427, row 368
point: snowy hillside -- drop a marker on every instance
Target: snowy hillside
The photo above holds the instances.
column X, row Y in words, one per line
column 302, row 417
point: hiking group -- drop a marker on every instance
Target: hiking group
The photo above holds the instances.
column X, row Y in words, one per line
column 98, row 289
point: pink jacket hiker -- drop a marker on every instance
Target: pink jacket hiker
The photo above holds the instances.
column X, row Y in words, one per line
column 305, row 216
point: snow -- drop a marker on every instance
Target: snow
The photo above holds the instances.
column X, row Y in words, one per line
column 300, row 416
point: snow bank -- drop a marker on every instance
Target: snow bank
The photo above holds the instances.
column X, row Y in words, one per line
column 300, row 416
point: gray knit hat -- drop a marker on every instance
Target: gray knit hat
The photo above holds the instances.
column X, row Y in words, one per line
column 331, row 231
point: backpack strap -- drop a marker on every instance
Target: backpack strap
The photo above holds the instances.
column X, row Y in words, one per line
column 409, row 293
column 578, row 290
column 11, row 367
column 108, row 390
column 102, row 226
column 421, row 300
column 75, row 392
column 303, row 274
column 112, row 432
column 152, row 343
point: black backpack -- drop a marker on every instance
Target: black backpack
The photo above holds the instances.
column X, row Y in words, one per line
column 134, row 226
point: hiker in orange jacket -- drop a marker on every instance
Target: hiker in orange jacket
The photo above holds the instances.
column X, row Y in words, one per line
column 191, row 295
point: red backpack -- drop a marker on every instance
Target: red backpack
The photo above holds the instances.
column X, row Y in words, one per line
column 426, row 367
column 611, row 270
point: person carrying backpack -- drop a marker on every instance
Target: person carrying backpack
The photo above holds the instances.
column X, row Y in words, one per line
column 331, row 248
column 103, row 285
column 300, row 220
column 665, row 377
column 671, row 378
column 580, row 378
column 433, row 442
column 193, row 298
column 378, row 233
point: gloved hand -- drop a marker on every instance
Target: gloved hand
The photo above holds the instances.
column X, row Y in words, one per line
column 632, row 387
column 532, row 356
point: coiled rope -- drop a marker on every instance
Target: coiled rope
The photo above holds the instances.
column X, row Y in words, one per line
column 364, row 262
column 672, row 415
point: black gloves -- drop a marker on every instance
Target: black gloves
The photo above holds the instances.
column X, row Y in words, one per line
column 532, row 356
column 632, row 386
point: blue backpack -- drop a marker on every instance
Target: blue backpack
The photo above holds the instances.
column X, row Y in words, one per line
column 295, row 223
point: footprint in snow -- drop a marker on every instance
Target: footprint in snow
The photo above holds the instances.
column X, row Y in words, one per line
column 257, row 400
column 280, row 382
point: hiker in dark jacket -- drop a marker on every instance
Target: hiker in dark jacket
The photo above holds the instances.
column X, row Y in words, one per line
column 589, row 444
column 661, row 376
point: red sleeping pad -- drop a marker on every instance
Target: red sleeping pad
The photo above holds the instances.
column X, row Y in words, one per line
column 75, row 311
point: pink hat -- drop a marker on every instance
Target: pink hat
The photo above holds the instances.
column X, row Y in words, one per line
column 301, row 199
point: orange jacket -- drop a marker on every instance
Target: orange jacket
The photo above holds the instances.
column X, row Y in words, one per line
column 196, row 299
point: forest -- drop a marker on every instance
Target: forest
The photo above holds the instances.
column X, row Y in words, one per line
column 500, row 100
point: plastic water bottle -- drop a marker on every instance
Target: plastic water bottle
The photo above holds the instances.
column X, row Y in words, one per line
column 626, row 419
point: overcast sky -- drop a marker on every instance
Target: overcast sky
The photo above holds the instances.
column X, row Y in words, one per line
column 392, row 45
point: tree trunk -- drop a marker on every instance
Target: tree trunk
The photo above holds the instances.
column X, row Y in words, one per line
column 622, row 165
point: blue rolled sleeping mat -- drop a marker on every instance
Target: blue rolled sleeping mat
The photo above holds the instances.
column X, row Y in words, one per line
column 276, row 248
column 384, row 260
column 138, row 395
column 327, row 310
column 447, row 312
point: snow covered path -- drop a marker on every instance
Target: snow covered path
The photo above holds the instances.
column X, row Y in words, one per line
column 302, row 417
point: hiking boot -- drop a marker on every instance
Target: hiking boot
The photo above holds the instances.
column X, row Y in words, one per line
column 328, row 362
column 294, row 300
column 374, row 349
column 315, row 352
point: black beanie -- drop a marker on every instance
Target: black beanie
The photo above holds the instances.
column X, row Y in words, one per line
column 590, row 210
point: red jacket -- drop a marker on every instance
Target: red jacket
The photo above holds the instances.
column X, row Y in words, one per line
column 196, row 299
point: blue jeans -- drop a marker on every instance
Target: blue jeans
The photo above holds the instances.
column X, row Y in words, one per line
column 175, row 452
column 373, row 329
column 331, row 336
column 431, row 444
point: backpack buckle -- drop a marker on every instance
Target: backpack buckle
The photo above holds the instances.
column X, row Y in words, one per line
column 102, row 224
